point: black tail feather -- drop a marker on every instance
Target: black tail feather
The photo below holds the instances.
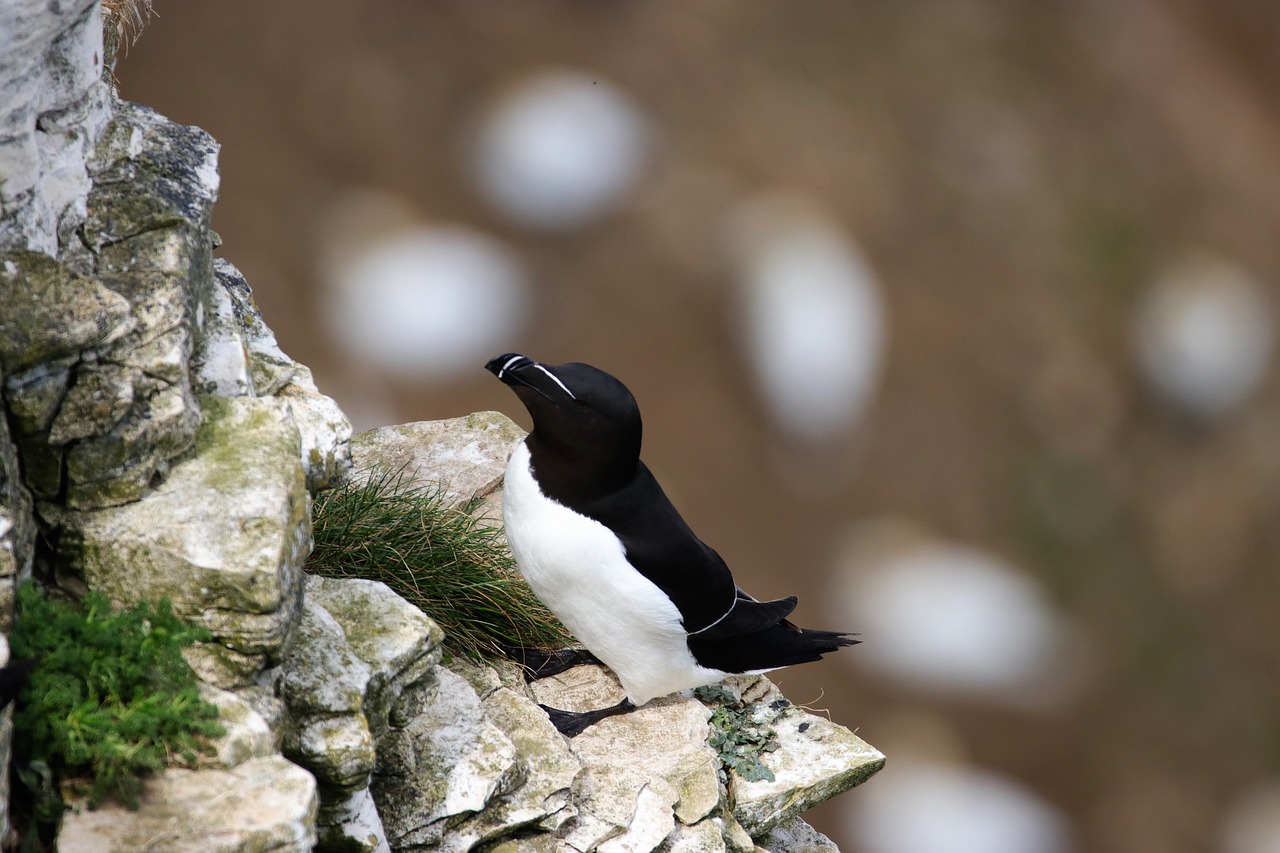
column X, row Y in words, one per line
column 779, row 645
column 749, row 616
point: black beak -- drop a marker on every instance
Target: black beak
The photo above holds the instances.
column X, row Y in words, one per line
column 507, row 367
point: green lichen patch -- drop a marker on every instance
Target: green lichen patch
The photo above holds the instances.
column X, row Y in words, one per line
column 111, row 695
column 740, row 734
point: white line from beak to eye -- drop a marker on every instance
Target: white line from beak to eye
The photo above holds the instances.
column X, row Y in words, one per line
column 510, row 361
column 555, row 380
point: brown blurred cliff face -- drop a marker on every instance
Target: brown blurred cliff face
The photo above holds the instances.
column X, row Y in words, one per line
column 1016, row 173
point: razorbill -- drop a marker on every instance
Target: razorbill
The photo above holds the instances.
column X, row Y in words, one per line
column 605, row 550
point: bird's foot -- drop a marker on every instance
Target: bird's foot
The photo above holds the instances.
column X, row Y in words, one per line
column 573, row 723
column 540, row 663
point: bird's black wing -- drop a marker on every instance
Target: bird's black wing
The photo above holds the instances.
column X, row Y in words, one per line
column 660, row 545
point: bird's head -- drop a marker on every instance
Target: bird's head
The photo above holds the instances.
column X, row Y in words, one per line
column 577, row 410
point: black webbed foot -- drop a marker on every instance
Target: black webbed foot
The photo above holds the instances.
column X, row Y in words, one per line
column 573, row 723
column 540, row 663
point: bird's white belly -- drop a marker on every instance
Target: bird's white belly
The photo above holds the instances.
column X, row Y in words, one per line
column 578, row 568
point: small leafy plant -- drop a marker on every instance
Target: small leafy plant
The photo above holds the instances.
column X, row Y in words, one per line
column 434, row 554
column 739, row 735
column 110, row 696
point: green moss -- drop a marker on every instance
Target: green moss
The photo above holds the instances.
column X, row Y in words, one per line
column 436, row 556
column 111, row 695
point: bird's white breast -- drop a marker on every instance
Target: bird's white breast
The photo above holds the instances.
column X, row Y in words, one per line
column 579, row 569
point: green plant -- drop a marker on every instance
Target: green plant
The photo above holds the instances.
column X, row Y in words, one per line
column 436, row 555
column 739, row 735
column 111, row 694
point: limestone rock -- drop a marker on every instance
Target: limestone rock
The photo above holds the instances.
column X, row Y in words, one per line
column 269, row 368
column 357, row 648
column 394, row 641
column 246, row 734
column 446, row 764
column 546, row 768
column 466, row 457
column 815, row 760
column 667, row 738
column 266, row 804
column 224, row 537
column 47, row 311
column 352, row 825
column 239, row 355
column 796, row 836
column 323, row 685
column 147, row 234
column 17, row 527
column 220, row 360
column 704, row 837
column 54, row 105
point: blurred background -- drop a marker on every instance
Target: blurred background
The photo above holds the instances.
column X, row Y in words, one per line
column 954, row 317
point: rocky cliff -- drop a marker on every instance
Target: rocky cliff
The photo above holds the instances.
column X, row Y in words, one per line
column 157, row 443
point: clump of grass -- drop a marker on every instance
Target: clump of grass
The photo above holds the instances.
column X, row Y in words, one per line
column 110, row 695
column 434, row 554
column 738, row 735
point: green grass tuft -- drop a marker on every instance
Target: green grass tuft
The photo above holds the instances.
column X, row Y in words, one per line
column 111, row 695
column 435, row 555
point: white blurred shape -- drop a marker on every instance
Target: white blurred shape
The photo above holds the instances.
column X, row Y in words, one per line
column 1204, row 336
column 1252, row 822
column 945, row 618
column 560, row 150
column 425, row 302
column 813, row 318
column 922, row 807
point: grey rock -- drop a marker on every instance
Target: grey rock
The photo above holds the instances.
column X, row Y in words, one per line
column 47, row 311
column 323, row 685
column 224, row 667
column 396, row 644
column 815, row 760
column 445, row 765
column 704, row 837
column 246, row 736
column 33, row 395
column 352, row 825
column 546, row 766
column 269, row 368
column 324, row 430
column 239, row 354
column 220, row 361
column 321, row 674
column 224, row 537
column 666, row 737
column 357, row 648
column 97, row 400
column 466, row 457
column 53, row 105
column 17, row 527
column 796, row 836
column 6, row 729
column 118, row 467
column 263, row 804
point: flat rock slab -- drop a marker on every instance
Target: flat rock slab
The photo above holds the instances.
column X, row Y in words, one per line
column 466, row 457
column 815, row 760
column 264, row 804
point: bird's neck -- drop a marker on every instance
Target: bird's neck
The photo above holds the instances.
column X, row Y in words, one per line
column 575, row 475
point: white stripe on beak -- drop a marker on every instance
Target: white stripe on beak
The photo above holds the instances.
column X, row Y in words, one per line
column 510, row 361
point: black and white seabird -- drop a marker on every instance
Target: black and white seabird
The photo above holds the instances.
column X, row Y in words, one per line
column 607, row 552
